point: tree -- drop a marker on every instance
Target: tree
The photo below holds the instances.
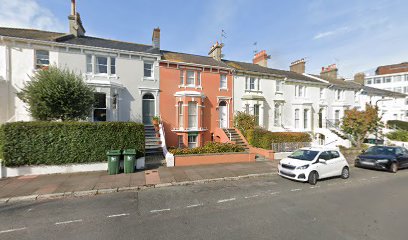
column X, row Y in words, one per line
column 359, row 123
column 57, row 94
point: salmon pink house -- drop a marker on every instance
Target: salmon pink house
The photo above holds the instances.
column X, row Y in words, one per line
column 196, row 97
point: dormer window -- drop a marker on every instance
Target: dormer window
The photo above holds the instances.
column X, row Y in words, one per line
column 42, row 59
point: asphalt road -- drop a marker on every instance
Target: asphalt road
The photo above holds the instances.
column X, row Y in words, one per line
column 369, row 205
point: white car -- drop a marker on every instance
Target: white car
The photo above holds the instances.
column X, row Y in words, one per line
column 313, row 163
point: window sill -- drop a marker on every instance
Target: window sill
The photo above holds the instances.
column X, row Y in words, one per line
column 101, row 75
column 148, row 79
column 223, row 89
column 190, row 86
column 252, row 90
column 279, row 92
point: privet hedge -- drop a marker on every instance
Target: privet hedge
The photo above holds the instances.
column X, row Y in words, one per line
column 209, row 147
column 262, row 138
column 402, row 125
column 56, row 143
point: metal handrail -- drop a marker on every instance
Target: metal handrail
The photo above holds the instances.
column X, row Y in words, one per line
column 337, row 125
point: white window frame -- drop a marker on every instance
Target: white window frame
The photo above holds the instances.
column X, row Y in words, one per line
column 180, row 141
column 94, row 66
column 151, row 77
column 252, row 85
column 306, row 118
column 193, row 78
column 297, row 118
column 198, row 83
column 37, row 57
column 223, row 82
column 191, row 115
column 182, row 77
column 180, row 110
column 279, row 86
column 300, row 91
column 322, row 93
column 192, row 144
column 277, row 115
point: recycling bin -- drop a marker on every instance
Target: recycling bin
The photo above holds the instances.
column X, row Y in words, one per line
column 129, row 160
column 113, row 161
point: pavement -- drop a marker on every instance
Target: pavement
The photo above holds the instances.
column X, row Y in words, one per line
column 37, row 187
column 370, row 205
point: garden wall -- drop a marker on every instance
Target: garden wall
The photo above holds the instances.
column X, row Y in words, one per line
column 213, row 158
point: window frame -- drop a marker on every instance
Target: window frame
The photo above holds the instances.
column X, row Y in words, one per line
column 222, row 82
column 195, row 142
column 279, row 86
column 193, row 84
column 180, row 141
column 297, row 118
column 36, row 58
column 91, row 62
column 151, row 77
column 180, row 110
column 306, row 118
column 192, row 115
column 94, row 107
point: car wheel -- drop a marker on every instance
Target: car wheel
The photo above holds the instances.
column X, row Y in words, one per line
column 394, row 167
column 313, row 176
column 345, row 173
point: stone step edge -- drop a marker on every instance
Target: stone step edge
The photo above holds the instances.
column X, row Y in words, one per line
column 52, row 196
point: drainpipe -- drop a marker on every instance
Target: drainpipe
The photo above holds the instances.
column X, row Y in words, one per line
column 8, row 78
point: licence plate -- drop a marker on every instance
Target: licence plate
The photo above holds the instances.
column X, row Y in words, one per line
column 367, row 163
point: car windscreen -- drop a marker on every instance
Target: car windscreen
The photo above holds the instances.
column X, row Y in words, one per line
column 380, row 151
column 307, row 155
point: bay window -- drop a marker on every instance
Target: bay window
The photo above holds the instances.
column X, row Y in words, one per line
column 180, row 115
column 192, row 115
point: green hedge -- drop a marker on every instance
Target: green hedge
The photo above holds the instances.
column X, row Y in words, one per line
column 262, row 138
column 399, row 135
column 398, row 124
column 209, row 147
column 56, row 143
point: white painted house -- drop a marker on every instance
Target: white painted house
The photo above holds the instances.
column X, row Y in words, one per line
column 125, row 75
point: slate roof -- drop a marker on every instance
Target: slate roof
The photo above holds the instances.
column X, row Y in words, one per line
column 243, row 66
column 191, row 58
column 379, row 92
column 71, row 39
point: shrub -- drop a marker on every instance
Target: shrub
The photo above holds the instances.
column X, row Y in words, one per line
column 262, row 138
column 398, row 124
column 399, row 135
column 244, row 122
column 56, row 143
column 56, row 94
column 209, row 147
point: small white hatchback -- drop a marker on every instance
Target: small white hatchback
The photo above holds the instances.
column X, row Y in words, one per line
column 314, row 163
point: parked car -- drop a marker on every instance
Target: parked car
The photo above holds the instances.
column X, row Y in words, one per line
column 383, row 158
column 314, row 163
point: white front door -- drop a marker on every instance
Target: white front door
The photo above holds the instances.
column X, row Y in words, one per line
column 223, row 114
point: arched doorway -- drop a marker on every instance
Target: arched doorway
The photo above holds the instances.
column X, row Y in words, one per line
column 148, row 108
column 223, row 114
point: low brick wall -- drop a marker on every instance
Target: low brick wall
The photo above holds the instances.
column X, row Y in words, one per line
column 269, row 154
column 213, row 158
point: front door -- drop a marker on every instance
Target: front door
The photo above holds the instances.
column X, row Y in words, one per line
column 223, row 114
column 148, row 108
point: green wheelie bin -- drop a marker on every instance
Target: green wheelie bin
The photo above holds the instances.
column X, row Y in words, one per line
column 129, row 160
column 113, row 161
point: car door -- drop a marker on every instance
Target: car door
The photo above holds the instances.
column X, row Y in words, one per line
column 404, row 159
column 401, row 157
column 336, row 163
column 324, row 168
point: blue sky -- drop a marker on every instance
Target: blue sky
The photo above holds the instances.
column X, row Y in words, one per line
column 356, row 35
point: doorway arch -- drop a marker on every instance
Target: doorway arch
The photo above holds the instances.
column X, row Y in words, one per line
column 148, row 108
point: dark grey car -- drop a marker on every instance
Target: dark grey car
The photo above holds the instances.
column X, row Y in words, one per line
column 383, row 158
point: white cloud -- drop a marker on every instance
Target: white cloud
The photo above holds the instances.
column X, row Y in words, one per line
column 331, row 33
column 28, row 14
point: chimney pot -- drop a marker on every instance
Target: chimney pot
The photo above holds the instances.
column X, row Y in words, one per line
column 216, row 51
column 261, row 58
column 298, row 66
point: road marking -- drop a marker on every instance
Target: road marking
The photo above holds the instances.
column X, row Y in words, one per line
column 195, row 205
column 66, row 222
column 274, row 193
column 226, row 200
column 160, row 210
column 13, row 230
column 253, row 196
column 118, row 215
column 314, row 187
column 296, row 189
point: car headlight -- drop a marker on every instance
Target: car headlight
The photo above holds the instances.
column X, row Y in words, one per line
column 303, row 167
column 382, row 160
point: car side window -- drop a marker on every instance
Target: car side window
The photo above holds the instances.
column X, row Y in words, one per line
column 398, row 151
column 334, row 154
column 324, row 156
column 405, row 151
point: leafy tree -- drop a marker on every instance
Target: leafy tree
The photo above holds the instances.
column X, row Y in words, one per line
column 244, row 122
column 359, row 123
column 57, row 94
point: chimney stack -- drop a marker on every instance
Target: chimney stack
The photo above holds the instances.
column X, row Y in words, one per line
column 156, row 38
column 298, row 66
column 261, row 58
column 75, row 24
column 216, row 51
column 329, row 73
column 359, row 78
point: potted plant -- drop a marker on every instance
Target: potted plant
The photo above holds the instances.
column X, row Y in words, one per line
column 155, row 120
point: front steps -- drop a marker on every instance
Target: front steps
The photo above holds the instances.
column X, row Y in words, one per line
column 233, row 135
column 153, row 150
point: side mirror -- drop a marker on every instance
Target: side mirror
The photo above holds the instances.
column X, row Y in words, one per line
column 321, row 160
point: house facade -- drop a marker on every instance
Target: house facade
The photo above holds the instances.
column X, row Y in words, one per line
column 196, row 97
column 125, row 76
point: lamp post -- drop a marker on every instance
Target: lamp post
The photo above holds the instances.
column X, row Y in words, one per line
column 376, row 106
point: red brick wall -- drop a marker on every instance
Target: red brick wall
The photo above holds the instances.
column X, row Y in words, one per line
column 396, row 68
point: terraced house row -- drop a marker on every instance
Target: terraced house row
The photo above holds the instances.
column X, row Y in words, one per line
column 195, row 96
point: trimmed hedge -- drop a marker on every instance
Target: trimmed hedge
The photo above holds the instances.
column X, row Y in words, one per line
column 262, row 138
column 402, row 125
column 399, row 135
column 209, row 147
column 57, row 143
